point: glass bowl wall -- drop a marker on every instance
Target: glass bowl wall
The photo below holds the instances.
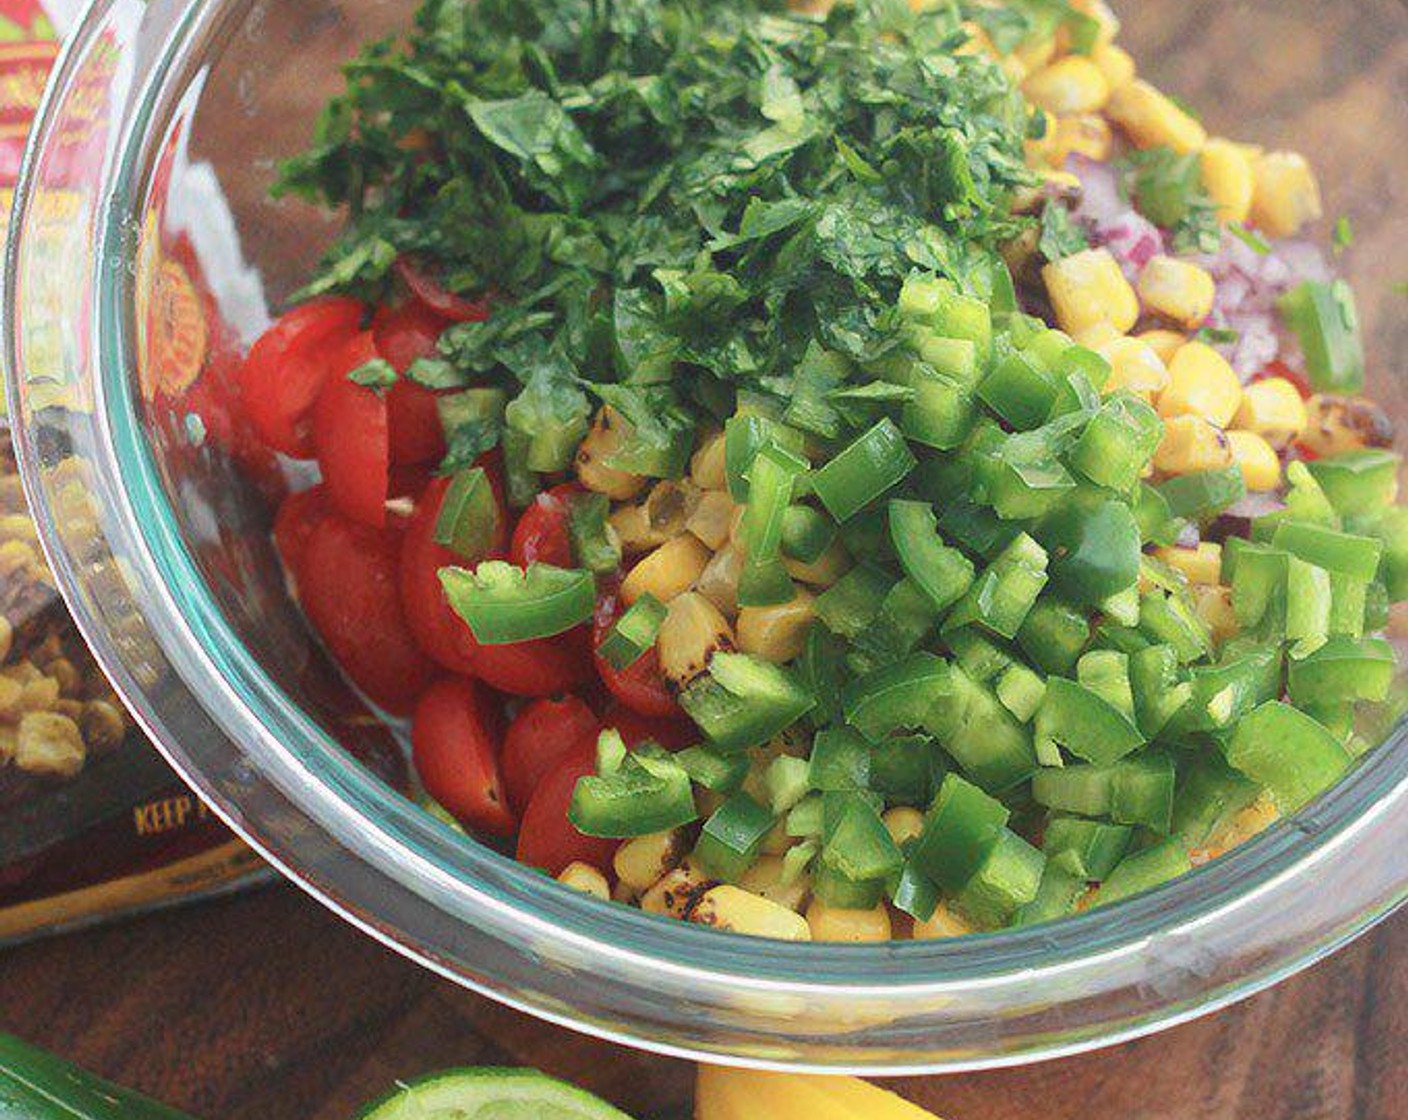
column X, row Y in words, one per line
column 143, row 236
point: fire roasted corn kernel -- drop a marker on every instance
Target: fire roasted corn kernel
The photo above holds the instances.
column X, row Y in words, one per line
column 830, row 566
column 1152, row 119
column 1286, row 195
column 1176, row 290
column 593, row 458
column 49, row 746
column 1088, row 288
column 1191, row 443
column 1201, row 564
column 641, row 862
column 707, row 467
column 1228, row 178
column 831, row 923
column 676, row 892
column 712, row 518
column 731, row 908
column 1335, row 424
column 1201, row 383
column 1274, row 409
column 585, row 878
column 766, row 877
column 694, row 630
column 1213, row 604
column 944, row 922
column 1259, row 463
column 718, row 582
column 1070, row 85
column 668, row 571
column 777, row 633
column 903, row 824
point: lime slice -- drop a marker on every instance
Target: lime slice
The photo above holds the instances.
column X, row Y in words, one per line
column 490, row 1094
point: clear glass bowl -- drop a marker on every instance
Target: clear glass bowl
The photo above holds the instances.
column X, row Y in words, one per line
column 145, row 190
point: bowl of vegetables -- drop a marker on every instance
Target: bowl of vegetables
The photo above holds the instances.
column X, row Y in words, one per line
column 869, row 522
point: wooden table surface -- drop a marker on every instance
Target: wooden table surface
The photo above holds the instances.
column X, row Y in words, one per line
column 267, row 1007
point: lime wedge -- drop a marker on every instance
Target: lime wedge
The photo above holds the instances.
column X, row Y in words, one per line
column 490, row 1094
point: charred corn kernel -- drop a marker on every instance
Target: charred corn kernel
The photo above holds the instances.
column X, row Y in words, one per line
column 1274, row 409
column 1067, row 86
column 1202, row 564
column 9, row 743
column 831, row 923
column 1201, row 382
column 1116, row 63
column 765, row 878
column 903, row 824
column 1228, row 178
column 732, row 908
column 1213, row 604
column 1259, row 463
column 49, row 745
column 692, row 632
column 7, row 637
column 1335, row 424
column 1164, row 343
column 1177, row 290
column 668, row 571
column 1085, row 134
column 944, row 922
column 602, row 441
column 712, row 518
column 1088, row 288
column 102, row 724
column 585, row 878
column 662, row 516
column 776, row 633
column 825, row 570
column 1191, row 443
column 1285, row 195
column 706, row 466
column 1134, row 366
column 677, row 891
column 1260, row 815
column 719, row 581
column 1152, row 120
column 641, row 862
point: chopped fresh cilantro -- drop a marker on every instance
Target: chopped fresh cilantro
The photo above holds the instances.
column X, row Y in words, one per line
column 648, row 186
column 1167, row 188
column 1060, row 235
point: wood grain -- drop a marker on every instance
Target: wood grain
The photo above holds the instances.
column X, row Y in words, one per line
column 267, row 1007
